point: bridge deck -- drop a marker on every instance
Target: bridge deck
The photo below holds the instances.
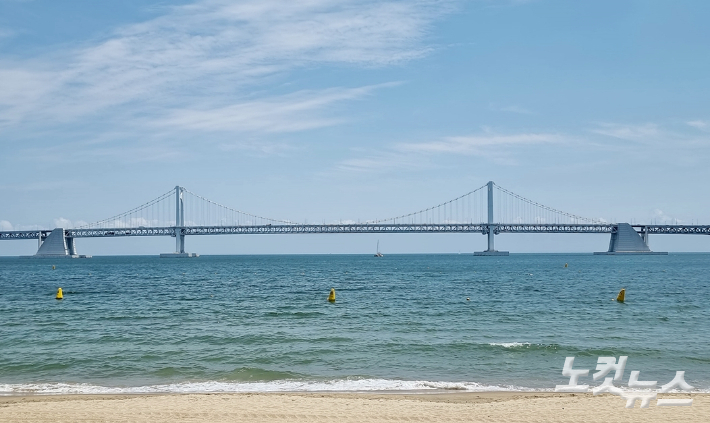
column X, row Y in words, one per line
column 482, row 228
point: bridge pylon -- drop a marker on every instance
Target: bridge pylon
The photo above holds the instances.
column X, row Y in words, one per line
column 179, row 227
column 492, row 229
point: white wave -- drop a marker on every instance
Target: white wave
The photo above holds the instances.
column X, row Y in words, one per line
column 337, row 385
column 509, row 344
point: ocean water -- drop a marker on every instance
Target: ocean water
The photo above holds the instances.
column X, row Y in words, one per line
column 401, row 322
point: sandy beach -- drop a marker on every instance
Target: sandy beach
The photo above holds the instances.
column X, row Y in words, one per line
column 344, row 407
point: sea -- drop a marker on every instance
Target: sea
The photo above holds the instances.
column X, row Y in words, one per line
column 400, row 323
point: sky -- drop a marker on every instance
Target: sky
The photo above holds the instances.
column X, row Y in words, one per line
column 325, row 110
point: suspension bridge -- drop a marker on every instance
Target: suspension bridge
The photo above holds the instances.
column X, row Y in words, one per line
column 489, row 210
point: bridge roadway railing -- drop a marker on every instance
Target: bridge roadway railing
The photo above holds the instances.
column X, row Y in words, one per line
column 34, row 234
column 140, row 231
column 521, row 228
column 482, row 228
column 674, row 229
column 90, row 233
column 335, row 229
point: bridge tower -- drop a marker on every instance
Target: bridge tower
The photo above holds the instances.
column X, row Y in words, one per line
column 179, row 221
column 179, row 227
column 492, row 228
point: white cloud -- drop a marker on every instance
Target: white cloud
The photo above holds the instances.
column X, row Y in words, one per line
column 700, row 124
column 38, row 185
column 63, row 223
column 289, row 113
column 483, row 145
column 257, row 148
column 509, row 148
column 642, row 132
column 7, row 226
column 655, row 140
column 383, row 162
column 6, row 33
column 212, row 52
column 510, row 109
column 659, row 217
column 499, row 148
column 93, row 150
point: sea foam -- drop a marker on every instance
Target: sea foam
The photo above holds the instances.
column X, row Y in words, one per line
column 509, row 344
column 336, row 385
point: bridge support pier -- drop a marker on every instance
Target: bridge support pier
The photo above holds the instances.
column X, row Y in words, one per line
column 180, row 242
column 179, row 226
column 491, row 251
column 625, row 240
column 71, row 246
column 56, row 245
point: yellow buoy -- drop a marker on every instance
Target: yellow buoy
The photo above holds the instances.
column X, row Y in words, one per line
column 53, row 267
column 565, row 264
column 331, row 296
column 622, row 294
column 59, row 296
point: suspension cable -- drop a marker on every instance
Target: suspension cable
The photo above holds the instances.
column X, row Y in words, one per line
column 542, row 206
column 427, row 209
column 129, row 212
column 237, row 211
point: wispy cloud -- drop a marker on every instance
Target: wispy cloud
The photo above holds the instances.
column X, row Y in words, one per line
column 6, row 33
column 700, row 124
column 414, row 156
column 660, row 217
column 257, row 148
column 63, row 223
column 45, row 185
column 288, row 113
column 664, row 136
column 91, row 151
column 483, row 144
column 213, row 52
column 384, row 161
column 629, row 132
column 510, row 109
column 8, row 226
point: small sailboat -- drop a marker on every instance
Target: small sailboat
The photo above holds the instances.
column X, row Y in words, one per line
column 378, row 253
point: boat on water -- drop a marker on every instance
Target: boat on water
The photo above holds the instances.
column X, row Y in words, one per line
column 378, row 253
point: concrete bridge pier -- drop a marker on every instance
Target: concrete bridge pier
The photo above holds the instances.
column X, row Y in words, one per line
column 626, row 240
column 71, row 246
column 56, row 245
column 491, row 251
column 179, row 241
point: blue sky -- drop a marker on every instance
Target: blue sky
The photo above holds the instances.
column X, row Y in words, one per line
column 327, row 110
